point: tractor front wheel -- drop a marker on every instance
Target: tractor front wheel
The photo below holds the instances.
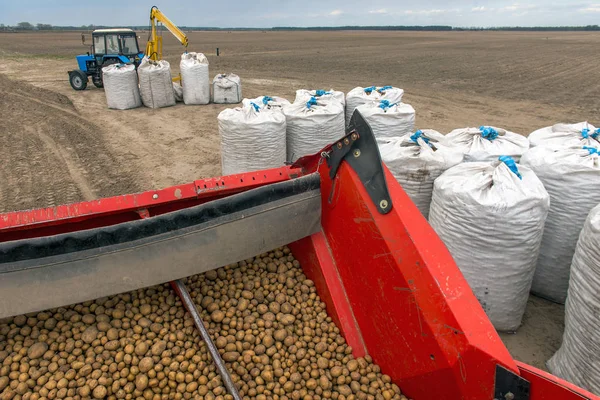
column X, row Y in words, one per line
column 78, row 79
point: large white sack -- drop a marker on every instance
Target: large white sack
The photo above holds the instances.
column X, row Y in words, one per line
column 121, row 86
column 227, row 89
column 492, row 221
column 252, row 138
column 360, row 95
column 487, row 143
column 572, row 178
column 560, row 136
column 156, row 85
column 312, row 125
column 194, row 78
column 304, row 94
column 578, row 359
column 416, row 161
column 387, row 119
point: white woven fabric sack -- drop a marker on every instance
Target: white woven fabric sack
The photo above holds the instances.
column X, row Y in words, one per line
column 227, row 89
column 387, row 119
column 416, row 161
column 560, row 136
column 121, row 86
column 305, row 95
column 572, row 178
column 360, row 95
column 178, row 91
column 578, row 359
column 492, row 221
column 156, row 86
column 252, row 137
column 312, row 125
column 194, row 78
column 487, row 143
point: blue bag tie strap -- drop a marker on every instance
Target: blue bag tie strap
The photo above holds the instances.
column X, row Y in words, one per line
column 384, row 88
column 510, row 163
column 321, row 92
column 419, row 135
column 585, row 132
column 592, row 150
column 385, row 104
column 311, row 102
column 266, row 100
column 488, row 132
column 368, row 90
column 256, row 107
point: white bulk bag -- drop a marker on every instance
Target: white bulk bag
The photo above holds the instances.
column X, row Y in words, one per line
column 304, row 94
column 227, row 89
column 312, row 125
column 388, row 119
column 121, row 86
column 194, row 78
column 492, row 220
column 177, row 91
column 416, row 161
column 487, row 143
column 572, row 178
column 360, row 95
column 156, row 85
column 252, row 138
column 578, row 359
column 560, row 136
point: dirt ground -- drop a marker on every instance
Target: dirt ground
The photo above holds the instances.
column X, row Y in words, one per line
column 59, row 145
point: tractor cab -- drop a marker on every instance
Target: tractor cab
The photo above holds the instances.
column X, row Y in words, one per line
column 109, row 46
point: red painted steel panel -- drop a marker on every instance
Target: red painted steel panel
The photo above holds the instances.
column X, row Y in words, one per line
column 418, row 317
column 545, row 386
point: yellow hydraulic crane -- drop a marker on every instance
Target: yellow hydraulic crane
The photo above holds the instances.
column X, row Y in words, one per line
column 154, row 46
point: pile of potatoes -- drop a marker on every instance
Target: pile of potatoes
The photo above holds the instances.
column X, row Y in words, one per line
column 263, row 314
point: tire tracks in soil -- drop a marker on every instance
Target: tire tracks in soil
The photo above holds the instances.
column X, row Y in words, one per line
column 51, row 155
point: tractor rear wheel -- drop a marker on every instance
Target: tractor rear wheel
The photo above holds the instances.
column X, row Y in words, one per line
column 78, row 79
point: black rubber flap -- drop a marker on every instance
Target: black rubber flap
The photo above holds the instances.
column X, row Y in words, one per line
column 29, row 249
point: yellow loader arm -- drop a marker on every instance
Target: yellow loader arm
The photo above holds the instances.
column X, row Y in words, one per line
column 154, row 46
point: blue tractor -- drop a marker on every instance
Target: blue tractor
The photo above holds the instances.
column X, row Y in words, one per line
column 109, row 46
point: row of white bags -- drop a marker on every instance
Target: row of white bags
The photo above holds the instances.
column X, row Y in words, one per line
column 418, row 160
column 266, row 131
column 156, row 89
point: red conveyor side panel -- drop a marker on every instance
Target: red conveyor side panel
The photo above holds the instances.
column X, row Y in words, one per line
column 545, row 386
column 417, row 315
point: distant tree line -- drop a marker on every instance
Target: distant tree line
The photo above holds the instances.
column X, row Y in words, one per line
column 26, row 26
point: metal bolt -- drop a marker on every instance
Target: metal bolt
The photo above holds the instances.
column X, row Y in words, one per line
column 346, row 141
column 356, row 153
column 155, row 196
column 339, row 145
column 383, row 204
column 354, row 136
column 509, row 396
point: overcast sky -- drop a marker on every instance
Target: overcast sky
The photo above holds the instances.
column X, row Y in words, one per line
column 268, row 13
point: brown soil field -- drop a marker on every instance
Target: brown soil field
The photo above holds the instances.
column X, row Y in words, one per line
column 61, row 146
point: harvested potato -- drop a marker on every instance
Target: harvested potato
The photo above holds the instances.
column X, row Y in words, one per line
column 264, row 315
